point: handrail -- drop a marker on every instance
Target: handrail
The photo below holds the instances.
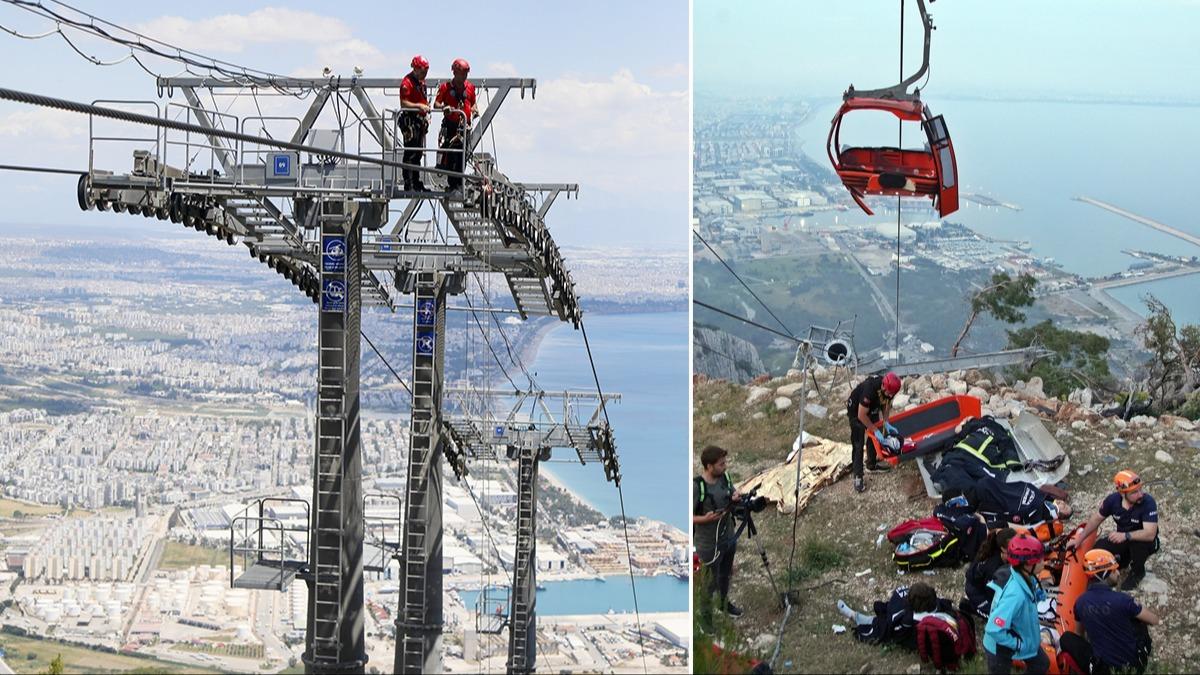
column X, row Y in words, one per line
column 92, row 137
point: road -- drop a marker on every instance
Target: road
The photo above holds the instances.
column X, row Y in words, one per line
column 1189, row 238
column 1146, row 278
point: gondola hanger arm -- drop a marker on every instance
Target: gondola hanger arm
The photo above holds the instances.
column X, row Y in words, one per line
column 899, row 92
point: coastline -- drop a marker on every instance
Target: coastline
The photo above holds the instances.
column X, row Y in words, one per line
column 545, row 472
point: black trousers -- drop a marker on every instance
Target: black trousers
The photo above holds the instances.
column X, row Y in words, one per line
column 1001, row 664
column 1130, row 554
column 858, row 446
column 720, row 571
column 412, row 130
column 451, row 138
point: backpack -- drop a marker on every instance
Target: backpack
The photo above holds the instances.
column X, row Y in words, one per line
column 943, row 645
column 923, row 543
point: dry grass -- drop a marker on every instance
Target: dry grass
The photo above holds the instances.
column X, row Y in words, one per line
column 849, row 525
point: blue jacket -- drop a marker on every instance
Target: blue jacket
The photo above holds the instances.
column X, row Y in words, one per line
column 1013, row 621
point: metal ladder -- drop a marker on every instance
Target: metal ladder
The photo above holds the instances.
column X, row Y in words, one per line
column 327, row 555
column 415, row 562
column 523, row 563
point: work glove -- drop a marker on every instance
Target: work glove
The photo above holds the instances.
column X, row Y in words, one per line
column 891, row 429
column 879, row 436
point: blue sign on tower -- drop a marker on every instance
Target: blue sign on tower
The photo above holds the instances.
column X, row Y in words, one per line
column 499, row 432
column 425, row 343
column 333, row 295
column 283, row 165
column 426, row 312
column 333, row 255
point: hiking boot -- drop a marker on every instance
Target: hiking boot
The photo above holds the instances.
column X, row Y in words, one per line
column 859, row 486
column 1130, row 582
column 732, row 609
column 879, row 468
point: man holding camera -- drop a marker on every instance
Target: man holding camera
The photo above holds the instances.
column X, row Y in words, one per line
column 713, row 529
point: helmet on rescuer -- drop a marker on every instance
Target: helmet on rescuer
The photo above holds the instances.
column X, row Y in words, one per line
column 1024, row 549
column 1127, row 481
column 891, row 384
column 460, row 65
column 419, row 61
column 1097, row 561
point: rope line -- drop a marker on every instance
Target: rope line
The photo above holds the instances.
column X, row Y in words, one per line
column 743, row 283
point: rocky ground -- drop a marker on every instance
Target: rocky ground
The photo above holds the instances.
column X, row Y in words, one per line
column 839, row 551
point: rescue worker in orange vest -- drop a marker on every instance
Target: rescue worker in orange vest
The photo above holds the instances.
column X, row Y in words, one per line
column 457, row 99
column 1136, row 516
column 414, row 120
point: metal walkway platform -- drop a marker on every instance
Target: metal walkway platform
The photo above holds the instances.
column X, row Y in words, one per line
column 270, row 575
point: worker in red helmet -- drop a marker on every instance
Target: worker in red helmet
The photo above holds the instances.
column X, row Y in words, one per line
column 414, row 120
column 457, row 99
column 868, row 408
column 1012, row 630
column 1136, row 516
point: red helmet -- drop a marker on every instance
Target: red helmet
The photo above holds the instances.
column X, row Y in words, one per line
column 420, row 62
column 1127, row 481
column 891, row 384
column 1024, row 549
column 460, row 64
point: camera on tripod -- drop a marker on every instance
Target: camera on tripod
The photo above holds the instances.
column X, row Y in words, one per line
column 750, row 503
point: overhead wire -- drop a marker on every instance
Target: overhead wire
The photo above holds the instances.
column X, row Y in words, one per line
column 743, row 283
column 621, row 496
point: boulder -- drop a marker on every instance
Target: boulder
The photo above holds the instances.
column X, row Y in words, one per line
column 983, row 383
column 783, row 403
column 1078, row 425
column 900, row 401
column 758, row 415
column 1119, row 423
column 1164, row 457
column 1143, row 421
column 719, row 417
column 978, row 392
column 816, row 410
column 1185, row 425
column 937, row 381
column 1034, row 387
column 757, row 395
column 790, row 389
column 972, row 376
column 957, row 387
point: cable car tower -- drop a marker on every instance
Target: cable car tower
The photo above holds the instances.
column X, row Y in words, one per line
column 318, row 215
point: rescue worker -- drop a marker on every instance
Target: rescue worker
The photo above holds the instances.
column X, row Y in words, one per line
column 868, row 408
column 713, row 494
column 895, row 620
column 414, row 120
column 1135, row 514
column 1012, row 630
column 457, row 100
column 1115, row 624
column 988, row 567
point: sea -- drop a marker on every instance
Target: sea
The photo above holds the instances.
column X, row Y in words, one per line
column 599, row 596
column 643, row 357
column 1038, row 155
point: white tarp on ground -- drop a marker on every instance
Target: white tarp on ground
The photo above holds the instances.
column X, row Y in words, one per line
column 823, row 462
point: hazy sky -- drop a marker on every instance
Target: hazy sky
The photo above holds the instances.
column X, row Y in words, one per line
column 1015, row 47
column 611, row 111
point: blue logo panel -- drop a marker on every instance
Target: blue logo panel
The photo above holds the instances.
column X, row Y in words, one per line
column 282, row 165
column 425, row 343
column 333, row 295
column 426, row 312
column 333, row 255
column 499, row 432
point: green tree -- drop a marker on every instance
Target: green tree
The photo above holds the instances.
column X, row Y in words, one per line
column 57, row 667
column 1173, row 370
column 1001, row 298
column 1079, row 358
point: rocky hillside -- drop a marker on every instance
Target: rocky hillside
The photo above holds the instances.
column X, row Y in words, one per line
column 720, row 355
column 839, row 547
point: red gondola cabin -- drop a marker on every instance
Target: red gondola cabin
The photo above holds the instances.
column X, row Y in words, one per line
column 895, row 171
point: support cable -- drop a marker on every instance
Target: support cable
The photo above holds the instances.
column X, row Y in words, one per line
column 621, row 495
column 39, row 169
column 899, row 144
column 743, row 283
column 731, row 315
column 389, row 366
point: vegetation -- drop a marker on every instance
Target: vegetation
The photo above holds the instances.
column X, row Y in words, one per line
column 1079, row 359
column 1002, row 298
column 179, row 556
column 32, row 655
column 1172, row 373
column 10, row 508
